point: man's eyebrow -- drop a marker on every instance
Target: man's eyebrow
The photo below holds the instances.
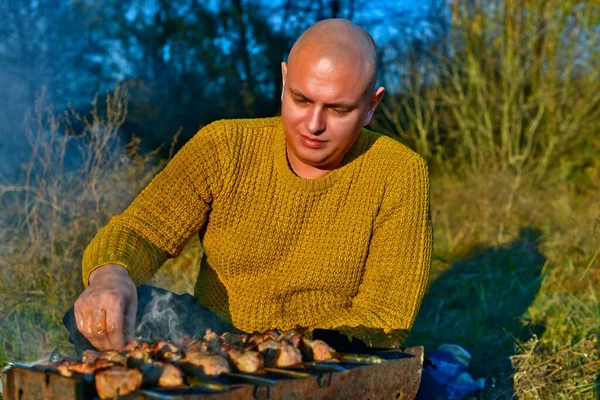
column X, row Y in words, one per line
column 298, row 94
column 341, row 104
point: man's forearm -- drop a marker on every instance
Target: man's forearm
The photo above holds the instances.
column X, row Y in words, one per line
column 116, row 244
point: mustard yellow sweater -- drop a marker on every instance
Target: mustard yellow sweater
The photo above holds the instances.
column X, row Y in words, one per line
column 349, row 250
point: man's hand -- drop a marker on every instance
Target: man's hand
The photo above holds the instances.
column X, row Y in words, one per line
column 105, row 311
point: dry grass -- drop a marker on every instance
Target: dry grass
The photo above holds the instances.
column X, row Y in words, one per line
column 567, row 372
column 515, row 281
column 48, row 219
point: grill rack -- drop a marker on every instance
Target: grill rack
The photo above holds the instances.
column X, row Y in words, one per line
column 397, row 377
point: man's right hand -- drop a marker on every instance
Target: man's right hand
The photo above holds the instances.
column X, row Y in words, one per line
column 105, row 311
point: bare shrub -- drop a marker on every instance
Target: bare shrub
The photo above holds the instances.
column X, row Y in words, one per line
column 74, row 182
column 515, row 86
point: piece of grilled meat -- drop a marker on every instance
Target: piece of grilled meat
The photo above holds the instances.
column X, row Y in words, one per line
column 166, row 351
column 196, row 363
column 246, row 361
column 117, row 381
column 161, row 374
column 316, row 350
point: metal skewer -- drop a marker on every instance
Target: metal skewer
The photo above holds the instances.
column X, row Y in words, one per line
column 288, row 372
column 208, row 385
column 330, row 367
column 251, row 378
column 359, row 358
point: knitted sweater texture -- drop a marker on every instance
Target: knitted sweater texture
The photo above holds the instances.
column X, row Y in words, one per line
column 350, row 249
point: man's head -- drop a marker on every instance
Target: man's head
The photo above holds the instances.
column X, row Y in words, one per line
column 328, row 94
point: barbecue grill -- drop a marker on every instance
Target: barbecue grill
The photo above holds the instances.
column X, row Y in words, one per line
column 389, row 374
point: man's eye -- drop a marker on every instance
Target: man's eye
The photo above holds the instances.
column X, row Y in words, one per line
column 340, row 111
column 300, row 101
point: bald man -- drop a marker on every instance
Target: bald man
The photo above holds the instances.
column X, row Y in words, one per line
column 307, row 220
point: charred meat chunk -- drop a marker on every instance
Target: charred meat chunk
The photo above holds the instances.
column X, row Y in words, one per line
column 206, row 364
column 112, row 356
column 69, row 368
column 89, row 356
column 167, row 351
column 161, row 374
column 294, row 337
column 246, row 361
column 63, row 368
column 132, row 344
column 267, row 345
column 214, row 343
column 101, row 364
column 137, row 357
column 82, row 368
column 117, row 381
column 281, row 355
column 288, row 355
column 235, row 340
column 316, row 350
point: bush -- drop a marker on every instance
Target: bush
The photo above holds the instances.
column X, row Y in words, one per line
column 74, row 182
column 514, row 86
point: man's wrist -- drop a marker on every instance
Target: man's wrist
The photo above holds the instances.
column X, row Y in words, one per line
column 108, row 269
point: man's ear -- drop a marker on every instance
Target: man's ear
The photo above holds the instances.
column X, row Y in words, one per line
column 283, row 75
column 373, row 103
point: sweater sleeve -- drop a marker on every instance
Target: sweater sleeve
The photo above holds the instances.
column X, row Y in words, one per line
column 169, row 211
column 397, row 265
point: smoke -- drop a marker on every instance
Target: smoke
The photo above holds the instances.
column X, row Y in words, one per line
column 159, row 319
column 163, row 315
column 13, row 145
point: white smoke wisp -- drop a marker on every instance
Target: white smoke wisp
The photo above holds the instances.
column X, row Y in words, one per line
column 159, row 320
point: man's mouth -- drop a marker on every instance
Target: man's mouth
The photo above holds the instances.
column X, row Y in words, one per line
column 312, row 143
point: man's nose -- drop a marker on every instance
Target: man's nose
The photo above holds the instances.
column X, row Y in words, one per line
column 316, row 121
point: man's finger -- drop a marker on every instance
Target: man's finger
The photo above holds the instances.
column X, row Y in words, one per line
column 99, row 322
column 79, row 320
column 114, row 328
column 88, row 324
column 99, row 328
column 88, row 330
column 129, row 319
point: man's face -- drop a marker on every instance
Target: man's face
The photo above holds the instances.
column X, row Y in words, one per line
column 324, row 106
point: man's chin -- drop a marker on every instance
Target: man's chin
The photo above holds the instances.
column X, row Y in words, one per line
column 314, row 158
column 321, row 164
column 311, row 157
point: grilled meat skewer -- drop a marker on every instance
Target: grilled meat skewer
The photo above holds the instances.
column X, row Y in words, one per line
column 163, row 363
